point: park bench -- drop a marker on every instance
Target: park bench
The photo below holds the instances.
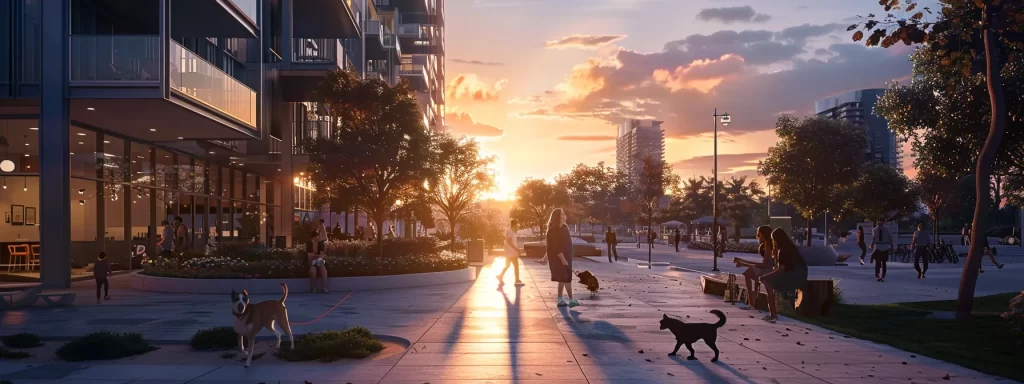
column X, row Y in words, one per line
column 58, row 298
column 813, row 300
column 19, row 299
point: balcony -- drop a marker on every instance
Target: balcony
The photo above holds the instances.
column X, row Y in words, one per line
column 307, row 62
column 122, row 83
column 116, row 59
column 334, row 19
column 374, row 75
column 221, row 18
column 416, row 74
column 415, row 31
column 192, row 76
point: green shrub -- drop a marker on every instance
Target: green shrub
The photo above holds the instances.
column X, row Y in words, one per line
column 1015, row 316
column 231, row 268
column 7, row 354
column 104, row 345
column 729, row 246
column 214, row 339
column 22, row 340
column 326, row 346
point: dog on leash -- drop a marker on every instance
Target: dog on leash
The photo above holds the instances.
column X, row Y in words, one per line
column 590, row 280
column 689, row 333
column 250, row 319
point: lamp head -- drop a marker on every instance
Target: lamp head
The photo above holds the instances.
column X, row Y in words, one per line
column 726, row 119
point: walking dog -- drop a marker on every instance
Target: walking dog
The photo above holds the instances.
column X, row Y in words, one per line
column 250, row 319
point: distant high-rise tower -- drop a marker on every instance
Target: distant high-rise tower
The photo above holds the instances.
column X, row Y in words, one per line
column 857, row 107
column 638, row 139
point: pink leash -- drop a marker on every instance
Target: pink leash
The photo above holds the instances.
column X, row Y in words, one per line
column 328, row 311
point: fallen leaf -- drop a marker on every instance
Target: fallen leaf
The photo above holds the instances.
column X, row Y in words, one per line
column 641, row 351
column 945, row 377
column 648, row 360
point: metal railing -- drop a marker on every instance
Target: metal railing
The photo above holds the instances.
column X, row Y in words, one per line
column 249, row 8
column 115, row 58
column 192, row 76
column 411, row 30
column 412, row 70
column 318, row 51
column 374, row 75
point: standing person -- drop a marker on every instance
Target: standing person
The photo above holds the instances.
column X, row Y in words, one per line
column 882, row 243
column 559, row 244
column 721, row 240
column 166, row 243
column 679, row 238
column 391, row 233
column 360, row 233
column 650, row 237
column 609, row 238
column 755, row 270
column 967, row 235
column 336, row 232
column 991, row 252
column 790, row 272
column 637, row 233
column 511, row 253
column 321, row 231
column 317, row 266
column 860, row 243
column 101, row 272
column 963, row 235
column 180, row 235
column 919, row 246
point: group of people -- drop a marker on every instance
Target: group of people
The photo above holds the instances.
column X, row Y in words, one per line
column 882, row 243
column 781, row 268
column 558, row 251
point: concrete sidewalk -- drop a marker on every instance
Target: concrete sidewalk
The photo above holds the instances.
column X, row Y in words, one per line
column 483, row 332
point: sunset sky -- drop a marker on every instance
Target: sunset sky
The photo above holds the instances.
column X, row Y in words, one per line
column 543, row 83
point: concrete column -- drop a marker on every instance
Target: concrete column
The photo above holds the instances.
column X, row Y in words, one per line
column 287, row 174
column 54, row 127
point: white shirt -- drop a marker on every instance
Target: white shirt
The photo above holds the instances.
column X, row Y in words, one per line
column 511, row 248
column 322, row 230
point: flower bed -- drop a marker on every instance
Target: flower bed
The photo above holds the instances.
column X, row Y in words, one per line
column 729, row 246
column 263, row 263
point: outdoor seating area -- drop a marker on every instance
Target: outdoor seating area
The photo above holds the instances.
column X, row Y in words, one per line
column 22, row 257
column 29, row 297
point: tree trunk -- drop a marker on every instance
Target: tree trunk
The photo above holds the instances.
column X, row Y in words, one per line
column 969, row 279
column 451, row 227
column 810, row 219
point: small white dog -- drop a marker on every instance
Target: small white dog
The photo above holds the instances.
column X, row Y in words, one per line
column 251, row 319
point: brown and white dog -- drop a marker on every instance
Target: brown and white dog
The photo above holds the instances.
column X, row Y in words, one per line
column 250, row 319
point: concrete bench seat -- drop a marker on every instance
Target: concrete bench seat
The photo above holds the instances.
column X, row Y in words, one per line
column 19, row 299
column 57, row 298
column 814, row 299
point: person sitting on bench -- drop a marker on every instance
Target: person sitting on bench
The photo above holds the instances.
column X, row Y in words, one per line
column 756, row 269
column 790, row 272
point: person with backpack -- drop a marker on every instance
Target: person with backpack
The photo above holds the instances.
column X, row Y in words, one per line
column 882, row 243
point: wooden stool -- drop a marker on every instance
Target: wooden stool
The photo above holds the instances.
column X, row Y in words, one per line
column 18, row 252
column 33, row 259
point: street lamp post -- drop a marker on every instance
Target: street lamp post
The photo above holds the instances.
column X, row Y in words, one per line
column 715, row 243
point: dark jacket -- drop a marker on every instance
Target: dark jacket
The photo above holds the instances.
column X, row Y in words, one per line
column 609, row 237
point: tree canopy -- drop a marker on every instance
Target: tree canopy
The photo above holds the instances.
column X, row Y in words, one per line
column 814, row 160
column 463, row 175
column 378, row 153
column 535, row 199
column 881, row 192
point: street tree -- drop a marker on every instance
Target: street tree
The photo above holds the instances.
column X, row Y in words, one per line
column 814, row 159
column 740, row 199
column 972, row 36
column 881, row 192
column 535, row 199
column 936, row 191
column 462, row 177
column 378, row 153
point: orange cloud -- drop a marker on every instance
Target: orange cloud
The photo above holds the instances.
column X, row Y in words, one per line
column 702, row 75
column 583, row 41
column 470, row 87
column 462, row 123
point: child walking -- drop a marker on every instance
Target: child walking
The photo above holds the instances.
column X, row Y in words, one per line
column 101, row 271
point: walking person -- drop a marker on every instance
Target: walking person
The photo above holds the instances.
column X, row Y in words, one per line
column 721, row 241
column 790, row 272
column 559, row 244
column 881, row 243
column 755, row 270
column 963, row 235
column 860, row 243
column 101, row 272
column 919, row 246
column 991, row 253
column 650, row 237
column 511, row 253
column 637, row 233
column 612, row 241
column 166, row 243
column 180, row 236
column 679, row 238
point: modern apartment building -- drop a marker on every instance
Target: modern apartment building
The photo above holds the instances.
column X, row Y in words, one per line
column 857, row 107
column 116, row 115
column 416, row 27
column 636, row 140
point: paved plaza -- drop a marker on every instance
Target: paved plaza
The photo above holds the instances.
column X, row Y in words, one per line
column 479, row 332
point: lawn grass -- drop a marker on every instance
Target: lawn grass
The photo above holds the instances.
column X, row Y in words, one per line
column 984, row 343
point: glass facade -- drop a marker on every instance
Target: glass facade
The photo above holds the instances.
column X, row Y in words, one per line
column 120, row 191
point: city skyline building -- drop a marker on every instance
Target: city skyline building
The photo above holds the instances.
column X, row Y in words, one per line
column 857, row 107
column 637, row 139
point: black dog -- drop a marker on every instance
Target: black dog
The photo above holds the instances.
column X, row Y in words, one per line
column 688, row 334
column 587, row 278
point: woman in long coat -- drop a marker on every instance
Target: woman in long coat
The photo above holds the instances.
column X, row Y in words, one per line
column 559, row 251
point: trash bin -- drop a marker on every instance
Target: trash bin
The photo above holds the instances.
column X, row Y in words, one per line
column 475, row 251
